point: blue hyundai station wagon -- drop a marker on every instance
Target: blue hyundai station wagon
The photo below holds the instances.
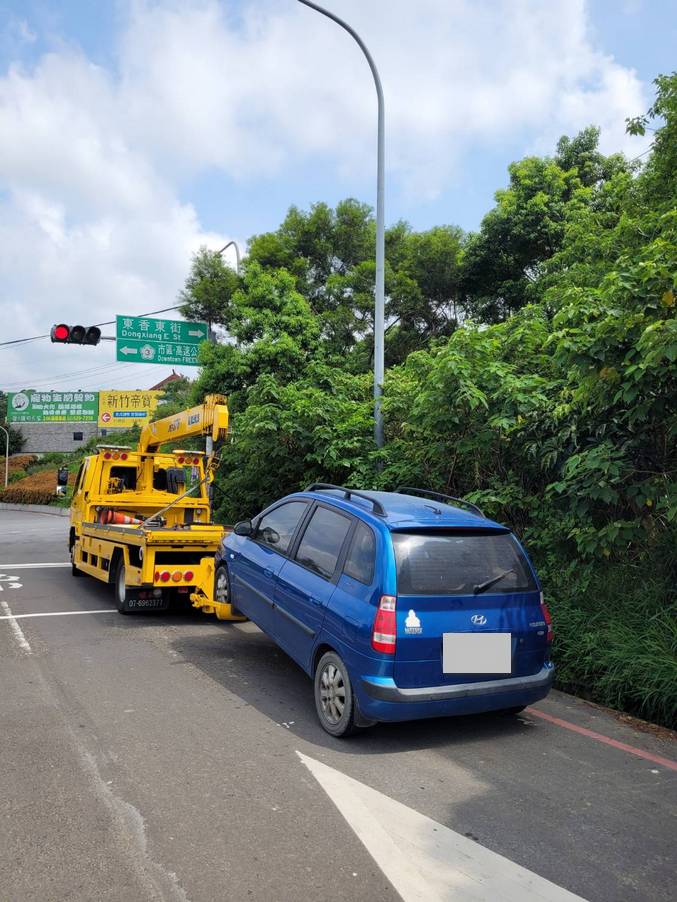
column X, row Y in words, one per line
column 400, row 605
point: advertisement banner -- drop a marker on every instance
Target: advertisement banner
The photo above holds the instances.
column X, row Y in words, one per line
column 52, row 407
column 122, row 409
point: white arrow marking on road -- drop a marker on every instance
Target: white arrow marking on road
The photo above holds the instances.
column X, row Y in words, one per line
column 129, row 350
column 197, row 334
column 426, row 861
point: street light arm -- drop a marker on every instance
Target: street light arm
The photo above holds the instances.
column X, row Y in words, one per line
column 379, row 293
column 237, row 254
column 351, row 31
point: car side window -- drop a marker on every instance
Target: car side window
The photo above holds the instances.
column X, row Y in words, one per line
column 360, row 561
column 276, row 528
column 322, row 541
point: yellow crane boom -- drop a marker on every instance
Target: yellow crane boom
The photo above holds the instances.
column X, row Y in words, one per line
column 209, row 418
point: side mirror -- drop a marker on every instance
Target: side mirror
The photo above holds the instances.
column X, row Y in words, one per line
column 243, row 528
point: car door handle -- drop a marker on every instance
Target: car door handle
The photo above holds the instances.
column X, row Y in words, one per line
column 314, row 600
column 268, row 573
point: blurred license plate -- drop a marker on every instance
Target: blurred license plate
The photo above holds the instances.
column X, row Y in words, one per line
column 145, row 604
column 476, row 653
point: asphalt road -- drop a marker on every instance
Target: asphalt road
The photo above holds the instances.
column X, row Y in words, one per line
column 154, row 757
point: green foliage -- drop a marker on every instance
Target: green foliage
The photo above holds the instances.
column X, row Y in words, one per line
column 274, row 331
column 209, row 289
column 314, row 429
column 531, row 368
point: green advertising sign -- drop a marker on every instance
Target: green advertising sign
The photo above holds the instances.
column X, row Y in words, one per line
column 151, row 340
column 52, row 407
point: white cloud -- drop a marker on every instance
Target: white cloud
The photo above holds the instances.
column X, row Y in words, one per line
column 91, row 159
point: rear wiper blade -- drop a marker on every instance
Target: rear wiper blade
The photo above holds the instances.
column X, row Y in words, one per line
column 490, row 582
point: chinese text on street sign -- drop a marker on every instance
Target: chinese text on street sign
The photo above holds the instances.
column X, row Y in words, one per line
column 167, row 341
column 52, row 407
column 126, row 408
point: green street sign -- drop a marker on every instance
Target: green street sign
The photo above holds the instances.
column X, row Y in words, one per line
column 152, row 340
column 52, row 407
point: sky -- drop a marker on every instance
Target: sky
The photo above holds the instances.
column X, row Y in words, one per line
column 132, row 133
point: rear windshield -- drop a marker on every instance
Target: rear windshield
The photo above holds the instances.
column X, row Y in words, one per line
column 459, row 563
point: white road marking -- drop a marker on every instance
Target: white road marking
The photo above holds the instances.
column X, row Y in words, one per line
column 33, row 566
column 426, row 861
column 11, row 616
column 22, row 641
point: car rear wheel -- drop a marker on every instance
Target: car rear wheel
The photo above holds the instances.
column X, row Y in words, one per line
column 334, row 699
column 121, row 590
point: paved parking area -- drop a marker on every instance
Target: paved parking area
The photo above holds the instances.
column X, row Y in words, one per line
column 170, row 756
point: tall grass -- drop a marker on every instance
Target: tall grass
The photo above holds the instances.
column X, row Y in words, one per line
column 616, row 634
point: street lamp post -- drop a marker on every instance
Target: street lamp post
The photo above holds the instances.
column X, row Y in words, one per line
column 237, row 254
column 6, row 455
column 379, row 294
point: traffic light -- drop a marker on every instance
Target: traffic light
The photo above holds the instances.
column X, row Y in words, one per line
column 75, row 335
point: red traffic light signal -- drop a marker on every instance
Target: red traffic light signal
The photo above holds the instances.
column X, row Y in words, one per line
column 75, row 335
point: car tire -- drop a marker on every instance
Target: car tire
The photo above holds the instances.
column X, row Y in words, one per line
column 222, row 585
column 121, row 590
column 334, row 699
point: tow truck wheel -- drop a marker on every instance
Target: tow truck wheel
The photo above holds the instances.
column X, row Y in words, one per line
column 222, row 585
column 74, row 569
column 121, row 591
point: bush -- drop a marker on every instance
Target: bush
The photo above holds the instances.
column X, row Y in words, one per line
column 616, row 633
column 38, row 488
column 21, row 461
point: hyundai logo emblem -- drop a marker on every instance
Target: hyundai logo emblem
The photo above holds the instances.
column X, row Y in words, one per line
column 478, row 619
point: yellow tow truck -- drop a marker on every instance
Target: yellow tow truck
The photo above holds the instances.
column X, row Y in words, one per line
column 141, row 520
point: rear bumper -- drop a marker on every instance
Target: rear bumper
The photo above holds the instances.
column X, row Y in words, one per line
column 381, row 699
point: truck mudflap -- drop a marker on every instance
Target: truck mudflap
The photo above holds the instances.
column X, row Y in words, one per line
column 203, row 595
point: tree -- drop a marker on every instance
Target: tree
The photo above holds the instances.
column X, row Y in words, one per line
column 272, row 330
column 209, row 289
column 503, row 261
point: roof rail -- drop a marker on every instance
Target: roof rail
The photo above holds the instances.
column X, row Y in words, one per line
column 410, row 490
column 347, row 494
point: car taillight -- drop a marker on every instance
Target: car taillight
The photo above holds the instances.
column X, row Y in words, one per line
column 176, row 576
column 188, row 575
column 164, row 576
column 157, row 575
column 548, row 619
column 196, row 461
column 384, row 633
column 179, row 460
column 123, row 456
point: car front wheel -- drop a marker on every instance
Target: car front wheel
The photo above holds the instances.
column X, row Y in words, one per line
column 334, row 700
column 222, row 585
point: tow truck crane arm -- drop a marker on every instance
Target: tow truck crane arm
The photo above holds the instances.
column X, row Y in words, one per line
column 209, row 418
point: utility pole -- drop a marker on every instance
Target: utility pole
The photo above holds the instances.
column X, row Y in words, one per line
column 379, row 294
column 6, row 454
